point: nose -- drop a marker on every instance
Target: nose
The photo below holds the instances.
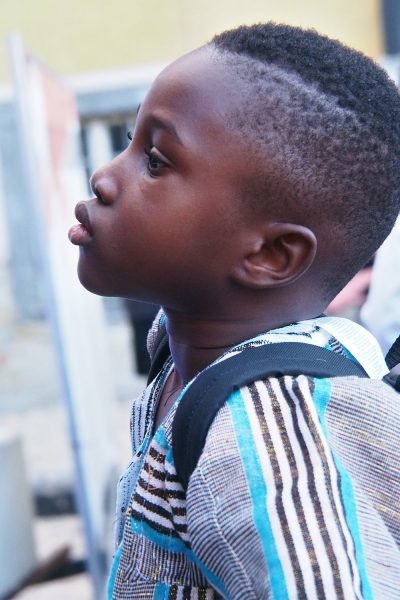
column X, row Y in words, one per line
column 103, row 184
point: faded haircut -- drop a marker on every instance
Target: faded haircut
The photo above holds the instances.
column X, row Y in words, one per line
column 328, row 119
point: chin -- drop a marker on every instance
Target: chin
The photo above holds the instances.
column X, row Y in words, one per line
column 92, row 282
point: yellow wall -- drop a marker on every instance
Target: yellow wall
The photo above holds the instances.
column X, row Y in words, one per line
column 82, row 35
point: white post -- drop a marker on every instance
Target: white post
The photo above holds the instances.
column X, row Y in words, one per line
column 6, row 303
column 98, row 144
column 17, row 551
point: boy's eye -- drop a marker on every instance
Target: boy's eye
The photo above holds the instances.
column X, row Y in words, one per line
column 154, row 163
column 130, row 135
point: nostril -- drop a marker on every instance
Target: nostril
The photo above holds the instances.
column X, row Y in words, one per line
column 99, row 192
column 104, row 189
column 95, row 189
column 92, row 185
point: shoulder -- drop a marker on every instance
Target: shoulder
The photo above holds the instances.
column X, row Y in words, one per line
column 257, row 423
column 293, row 420
column 277, row 431
column 284, row 408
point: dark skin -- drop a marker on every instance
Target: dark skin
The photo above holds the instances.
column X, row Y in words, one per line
column 168, row 225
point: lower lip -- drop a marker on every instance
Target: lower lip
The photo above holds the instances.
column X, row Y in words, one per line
column 79, row 235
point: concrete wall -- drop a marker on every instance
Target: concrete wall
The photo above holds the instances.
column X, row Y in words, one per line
column 82, row 35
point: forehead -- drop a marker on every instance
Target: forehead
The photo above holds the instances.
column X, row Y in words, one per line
column 195, row 94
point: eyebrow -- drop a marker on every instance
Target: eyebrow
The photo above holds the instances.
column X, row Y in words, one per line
column 163, row 123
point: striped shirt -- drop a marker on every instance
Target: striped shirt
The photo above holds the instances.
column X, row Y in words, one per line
column 294, row 495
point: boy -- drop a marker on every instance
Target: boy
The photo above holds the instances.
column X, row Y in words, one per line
column 262, row 174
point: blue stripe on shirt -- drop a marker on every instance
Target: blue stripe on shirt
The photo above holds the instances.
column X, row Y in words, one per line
column 321, row 396
column 161, row 591
column 258, row 492
column 113, row 572
column 176, row 545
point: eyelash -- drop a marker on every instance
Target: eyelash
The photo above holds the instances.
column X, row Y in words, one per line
column 150, row 155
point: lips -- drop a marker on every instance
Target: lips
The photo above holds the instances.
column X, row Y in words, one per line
column 82, row 233
column 82, row 215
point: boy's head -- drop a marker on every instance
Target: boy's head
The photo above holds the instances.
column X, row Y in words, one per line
column 326, row 123
column 263, row 165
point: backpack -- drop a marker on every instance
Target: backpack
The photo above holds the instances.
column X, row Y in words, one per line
column 203, row 399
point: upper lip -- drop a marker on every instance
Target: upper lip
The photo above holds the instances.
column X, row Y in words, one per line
column 82, row 214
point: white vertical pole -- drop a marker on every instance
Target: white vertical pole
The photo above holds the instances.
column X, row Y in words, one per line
column 98, row 144
column 92, row 456
column 6, row 304
column 17, row 551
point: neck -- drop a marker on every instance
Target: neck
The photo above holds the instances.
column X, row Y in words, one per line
column 196, row 342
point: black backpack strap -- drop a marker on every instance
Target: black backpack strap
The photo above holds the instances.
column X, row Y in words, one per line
column 160, row 353
column 392, row 358
column 209, row 391
column 393, row 381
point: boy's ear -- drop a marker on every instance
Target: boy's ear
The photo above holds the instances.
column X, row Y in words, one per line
column 277, row 255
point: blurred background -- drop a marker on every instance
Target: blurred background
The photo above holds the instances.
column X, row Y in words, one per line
column 106, row 55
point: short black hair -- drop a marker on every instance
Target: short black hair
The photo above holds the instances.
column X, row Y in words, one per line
column 330, row 118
